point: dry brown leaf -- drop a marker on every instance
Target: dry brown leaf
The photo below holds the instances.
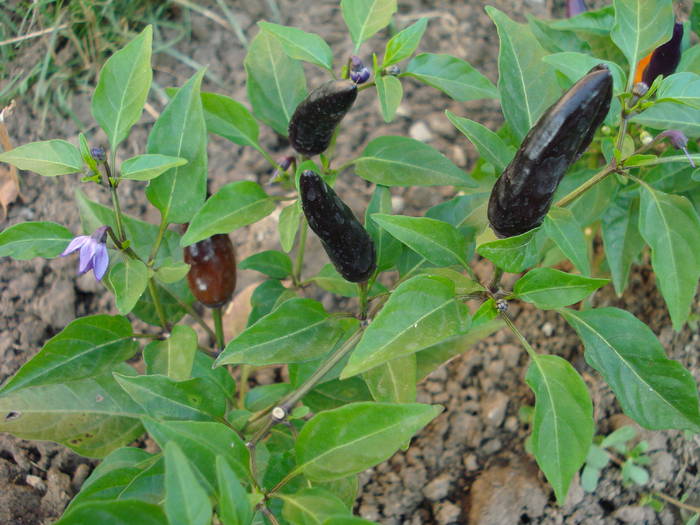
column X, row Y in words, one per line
column 9, row 180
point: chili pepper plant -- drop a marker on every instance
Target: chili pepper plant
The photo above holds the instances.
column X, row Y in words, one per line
column 597, row 172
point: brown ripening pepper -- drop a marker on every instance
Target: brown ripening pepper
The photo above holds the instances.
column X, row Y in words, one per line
column 523, row 194
column 212, row 275
column 347, row 243
column 316, row 117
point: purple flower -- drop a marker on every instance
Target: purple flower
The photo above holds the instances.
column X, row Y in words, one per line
column 575, row 7
column 359, row 74
column 93, row 252
column 679, row 141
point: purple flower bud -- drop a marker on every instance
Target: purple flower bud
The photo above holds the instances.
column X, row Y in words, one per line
column 665, row 58
column 98, row 154
column 359, row 74
column 575, row 7
column 640, row 89
column 679, row 141
column 93, row 252
column 283, row 163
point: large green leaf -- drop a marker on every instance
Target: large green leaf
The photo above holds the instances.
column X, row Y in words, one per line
column 301, row 45
column 402, row 161
column 329, row 279
column 389, row 92
column 289, row 225
column 174, row 356
column 233, row 508
column 365, row 17
column 683, row 88
column 122, row 88
column 338, row 443
column 670, row 115
column 420, row 312
column 489, row 145
column 548, row 288
column 311, row 506
column 393, row 382
column 575, row 65
column 147, row 167
column 561, row 226
column 93, row 416
column 186, row 502
column 115, row 513
column 88, row 346
column 230, row 119
column 641, row 26
column 527, row 85
column 438, row 241
column 26, row 240
column 655, row 391
column 273, row 263
column 180, row 131
column 670, row 225
column 128, row 279
column 48, row 158
column 452, row 75
column 621, row 238
column 563, row 425
column 235, row 205
column 513, row 254
column 298, row 330
column 203, row 441
column 404, row 43
column 276, row 83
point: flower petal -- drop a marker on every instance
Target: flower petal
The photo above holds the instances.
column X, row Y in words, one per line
column 75, row 244
column 100, row 261
column 87, row 253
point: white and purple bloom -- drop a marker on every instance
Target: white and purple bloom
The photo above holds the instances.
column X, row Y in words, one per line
column 93, row 252
column 359, row 74
column 679, row 141
column 575, row 7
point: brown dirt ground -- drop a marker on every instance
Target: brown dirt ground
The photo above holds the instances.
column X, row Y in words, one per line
column 469, row 465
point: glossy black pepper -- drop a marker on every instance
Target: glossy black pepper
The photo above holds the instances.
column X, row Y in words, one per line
column 523, row 194
column 347, row 243
column 665, row 58
column 316, row 117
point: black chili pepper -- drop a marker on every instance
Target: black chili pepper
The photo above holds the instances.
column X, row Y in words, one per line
column 523, row 194
column 347, row 243
column 316, row 117
column 212, row 274
column 665, row 58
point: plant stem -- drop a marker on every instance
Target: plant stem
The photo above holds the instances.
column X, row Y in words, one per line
column 363, row 290
column 496, row 281
column 299, row 262
column 677, row 503
column 219, row 328
column 156, row 303
column 243, row 385
column 531, row 351
column 159, row 239
column 595, row 179
column 269, row 515
column 290, row 475
column 191, row 312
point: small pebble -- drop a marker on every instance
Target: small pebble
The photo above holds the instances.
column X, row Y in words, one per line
column 420, row 131
column 438, row 488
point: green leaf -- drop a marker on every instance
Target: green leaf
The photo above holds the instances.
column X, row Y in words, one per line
column 186, row 502
column 115, row 513
column 527, row 85
column 174, row 356
column 265, row 297
column 329, row 279
column 682, row 88
column 122, row 88
column 574, row 65
column 420, row 312
column 386, row 246
column 92, row 416
column 621, row 238
column 163, row 398
column 230, row 119
column 690, row 59
column 668, row 115
column 128, row 279
column 619, row 437
column 298, row 330
column 203, row 367
column 235, row 205
column 148, row 485
column 513, row 254
column 390, row 93
column 403, row 44
column 394, row 381
column 695, row 18
column 173, row 298
column 301, row 45
column 463, row 284
column 641, row 26
column 335, row 393
column 48, row 158
column 147, row 167
column 263, row 397
column 670, row 225
column 34, row 239
column 561, row 226
column 402, row 161
column 563, row 425
column 275, row 264
column 234, row 507
column 438, row 241
column 276, row 83
column 465, row 212
column 547, row 288
column 289, row 225
column 489, row 145
column 311, row 506
column 180, row 131
column 347, row 440
column 451, row 75
column 655, row 391
column 348, row 520
column 88, row 346
column 365, row 17
column 171, row 272
column 203, row 441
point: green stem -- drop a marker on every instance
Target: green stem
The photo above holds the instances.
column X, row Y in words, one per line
column 677, row 503
column 159, row 239
column 496, row 281
column 269, row 515
column 157, row 304
column 219, row 328
column 290, row 476
column 243, row 385
column 191, row 312
column 363, row 290
column 595, row 179
column 299, row 262
column 531, row 351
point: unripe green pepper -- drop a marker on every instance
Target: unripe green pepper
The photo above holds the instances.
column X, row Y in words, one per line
column 347, row 243
column 212, row 274
column 522, row 195
column 316, row 117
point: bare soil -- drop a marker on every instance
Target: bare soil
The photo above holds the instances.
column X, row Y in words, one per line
column 470, row 465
